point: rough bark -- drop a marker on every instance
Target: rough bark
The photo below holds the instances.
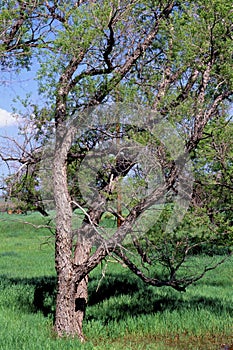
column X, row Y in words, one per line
column 71, row 295
column 82, row 253
column 64, row 319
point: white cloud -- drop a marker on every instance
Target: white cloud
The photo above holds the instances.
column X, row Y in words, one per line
column 7, row 118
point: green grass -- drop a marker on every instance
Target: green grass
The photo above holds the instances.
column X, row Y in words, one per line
column 123, row 313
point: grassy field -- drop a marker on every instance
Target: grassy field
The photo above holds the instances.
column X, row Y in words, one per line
column 123, row 313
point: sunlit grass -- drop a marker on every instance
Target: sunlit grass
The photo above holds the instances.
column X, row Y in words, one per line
column 25, row 251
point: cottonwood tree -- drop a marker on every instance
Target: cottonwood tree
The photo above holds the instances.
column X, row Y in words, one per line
column 174, row 58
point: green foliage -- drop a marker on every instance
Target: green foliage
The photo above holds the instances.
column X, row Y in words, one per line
column 17, row 32
column 196, row 233
column 24, row 192
column 213, row 171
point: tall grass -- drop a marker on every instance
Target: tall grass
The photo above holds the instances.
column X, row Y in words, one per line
column 123, row 313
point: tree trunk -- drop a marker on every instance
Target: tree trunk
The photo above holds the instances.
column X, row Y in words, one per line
column 71, row 297
column 66, row 288
column 82, row 252
column 70, row 306
column 66, row 305
column 64, row 320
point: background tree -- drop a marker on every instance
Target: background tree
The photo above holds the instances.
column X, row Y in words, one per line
column 173, row 57
column 213, row 187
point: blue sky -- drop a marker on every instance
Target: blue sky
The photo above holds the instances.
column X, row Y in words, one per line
column 11, row 86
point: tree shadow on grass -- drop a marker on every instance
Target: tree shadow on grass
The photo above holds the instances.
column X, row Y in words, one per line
column 112, row 286
column 131, row 298
column 39, row 298
column 143, row 299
